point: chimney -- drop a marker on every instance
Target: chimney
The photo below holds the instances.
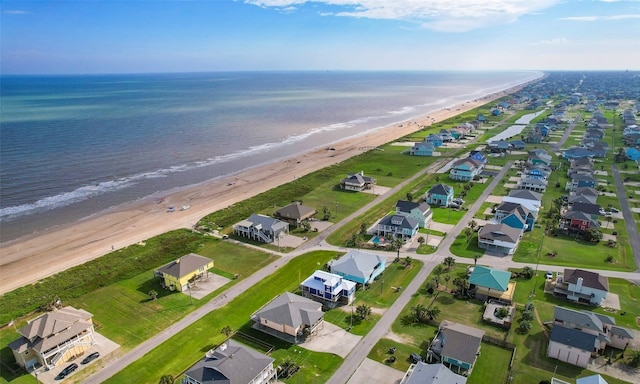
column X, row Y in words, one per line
column 579, row 284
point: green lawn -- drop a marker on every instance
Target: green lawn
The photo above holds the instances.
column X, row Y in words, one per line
column 492, row 366
column 463, row 248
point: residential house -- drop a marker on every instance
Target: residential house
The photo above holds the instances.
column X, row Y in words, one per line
column 261, row 228
column 529, row 199
column 357, row 182
column 603, row 326
column 590, row 209
column 478, row 156
column 447, row 137
column 54, row 338
column 492, row 283
column 633, row 154
column 540, row 172
column 289, row 316
column 581, row 286
column 178, row 274
column 599, row 150
column 577, row 222
column 423, row 373
column 532, row 184
column 328, row 288
column 571, row 346
column 499, row 237
column 360, row 267
column 499, row 146
column 585, row 191
column 419, row 211
column 577, row 152
column 440, row 195
column 422, row 149
column 232, row 362
column 481, row 118
column 517, row 144
column 295, row 213
column 587, row 199
column 515, row 215
column 435, row 140
column 397, row 225
column 594, row 134
column 539, row 156
column 456, row 346
column 581, row 180
column 465, row 169
column 580, row 161
column 533, row 138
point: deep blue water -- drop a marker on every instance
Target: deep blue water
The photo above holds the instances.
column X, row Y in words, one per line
column 71, row 146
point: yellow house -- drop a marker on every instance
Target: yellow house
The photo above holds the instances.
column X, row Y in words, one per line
column 179, row 273
column 54, row 338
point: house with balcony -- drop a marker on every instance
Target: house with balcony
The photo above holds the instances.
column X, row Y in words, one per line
column 577, row 222
column 359, row 267
column 357, row 182
column 261, row 228
column 577, row 152
column 499, row 238
column 579, row 180
column 397, row 226
column 295, row 213
column 422, row 149
column 419, row 211
column 490, row 283
column 188, row 269
column 456, row 346
column 514, row 215
column 581, row 286
column 289, row 317
column 529, row 199
column 54, row 338
column 465, row 169
column 532, row 184
column 603, row 326
column 539, row 171
column 232, row 362
column 328, row 288
column 435, row 140
column 440, row 195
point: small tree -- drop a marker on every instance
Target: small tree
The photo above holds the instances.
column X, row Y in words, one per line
column 409, row 196
column 473, row 224
column 421, row 240
column 528, row 272
column 525, row 326
column 449, row 262
column 527, row 315
column 432, row 312
column 153, row 294
column 408, row 261
column 227, row 331
column 468, row 232
column 363, row 311
column 633, row 360
column 306, row 226
column 167, row 379
column 502, row 312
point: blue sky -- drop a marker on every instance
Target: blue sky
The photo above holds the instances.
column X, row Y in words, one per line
column 71, row 37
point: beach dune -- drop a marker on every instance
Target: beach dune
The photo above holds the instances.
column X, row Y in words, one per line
column 31, row 258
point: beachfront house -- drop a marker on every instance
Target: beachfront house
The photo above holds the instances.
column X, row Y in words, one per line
column 359, row 267
column 54, row 338
column 457, row 346
column 422, row 149
column 261, row 228
column 499, row 238
column 328, row 288
column 581, row 286
column 289, row 317
column 397, row 226
column 465, row 169
column 232, row 362
column 440, row 195
column 188, row 269
column 295, row 213
column 435, row 140
column 357, row 182
column 419, row 211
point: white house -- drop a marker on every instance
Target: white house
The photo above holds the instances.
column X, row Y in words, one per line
column 529, row 199
column 582, row 286
column 571, row 346
column 499, row 237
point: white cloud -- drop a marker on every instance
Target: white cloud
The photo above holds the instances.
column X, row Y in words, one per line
column 441, row 15
column 601, row 18
column 15, row 12
column 557, row 41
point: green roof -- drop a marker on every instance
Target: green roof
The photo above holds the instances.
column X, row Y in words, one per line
column 490, row 278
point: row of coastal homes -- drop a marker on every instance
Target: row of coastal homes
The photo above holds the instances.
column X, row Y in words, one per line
column 434, row 140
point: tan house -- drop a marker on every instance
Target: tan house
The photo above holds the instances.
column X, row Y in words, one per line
column 178, row 274
column 295, row 213
column 54, row 338
column 289, row 316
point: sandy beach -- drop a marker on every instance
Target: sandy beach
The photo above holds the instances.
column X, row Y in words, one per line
column 34, row 257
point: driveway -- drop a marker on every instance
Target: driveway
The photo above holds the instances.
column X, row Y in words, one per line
column 332, row 339
column 373, row 372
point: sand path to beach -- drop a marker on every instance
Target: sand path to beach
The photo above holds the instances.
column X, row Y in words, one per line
column 29, row 259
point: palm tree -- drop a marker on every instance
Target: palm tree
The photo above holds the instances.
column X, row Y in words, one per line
column 167, row 379
column 449, row 262
column 446, row 279
column 432, row 313
column 468, row 232
column 473, row 224
column 418, row 313
column 153, row 294
column 407, row 261
column 397, row 244
column 475, row 258
column 363, row 311
column 438, row 269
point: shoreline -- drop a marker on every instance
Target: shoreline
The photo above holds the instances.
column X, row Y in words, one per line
column 66, row 245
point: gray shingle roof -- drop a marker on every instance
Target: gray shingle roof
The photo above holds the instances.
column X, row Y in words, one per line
column 500, row 232
column 357, row 263
column 230, row 363
column 440, row 189
column 404, row 221
column 292, row 310
column 295, row 211
column 424, row 373
column 524, row 194
column 408, row 206
column 460, row 342
column 578, row 319
column 573, row 338
column 185, row 265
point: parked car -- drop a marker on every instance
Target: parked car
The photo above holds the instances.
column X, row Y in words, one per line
column 548, row 275
column 67, row 371
column 91, row 357
column 614, row 210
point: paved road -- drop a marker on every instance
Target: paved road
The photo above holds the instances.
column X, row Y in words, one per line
column 627, row 213
column 567, row 132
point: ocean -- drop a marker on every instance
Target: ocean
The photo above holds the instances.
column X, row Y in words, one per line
column 72, row 146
